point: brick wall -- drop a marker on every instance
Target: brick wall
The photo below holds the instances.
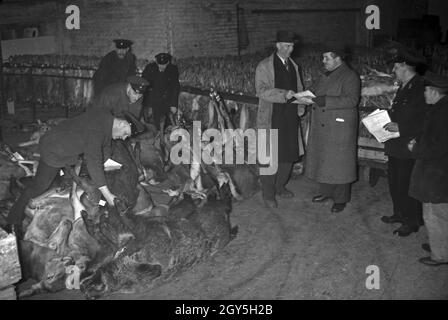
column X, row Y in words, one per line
column 186, row 27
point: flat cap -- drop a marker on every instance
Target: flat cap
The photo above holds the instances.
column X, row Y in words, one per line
column 410, row 58
column 139, row 84
column 136, row 126
column 163, row 58
column 339, row 49
column 435, row 80
column 122, row 43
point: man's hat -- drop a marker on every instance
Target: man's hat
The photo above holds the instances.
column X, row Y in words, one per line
column 163, row 58
column 435, row 80
column 136, row 126
column 122, row 43
column 285, row 36
column 410, row 58
column 338, row 49
column 139, row 84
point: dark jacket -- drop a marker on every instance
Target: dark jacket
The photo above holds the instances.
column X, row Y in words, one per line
column 408, row 111
column 332, row 141
column 429, row 180
column 113, row 69
column 89, row 133
column 163, row 90
column 115, row 99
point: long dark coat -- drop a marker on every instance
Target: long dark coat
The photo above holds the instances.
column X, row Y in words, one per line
column 268, row 94
column 112, row 69
column 89, row 133
column 163, row 90
column 332, row 142
column 115, row 99
column 429, row 179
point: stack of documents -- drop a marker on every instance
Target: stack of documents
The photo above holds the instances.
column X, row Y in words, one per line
column 375, row 122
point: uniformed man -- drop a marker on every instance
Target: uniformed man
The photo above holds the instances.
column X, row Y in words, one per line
column 116, row 66
column 161, row 99
column 88, row 134
column 123, row 96
column 407, row 115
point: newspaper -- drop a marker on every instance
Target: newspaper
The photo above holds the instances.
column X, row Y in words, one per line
column 375, row 122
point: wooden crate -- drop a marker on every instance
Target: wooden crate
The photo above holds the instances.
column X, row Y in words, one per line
column 371, row 149
column 8, row 293
column 9, row 260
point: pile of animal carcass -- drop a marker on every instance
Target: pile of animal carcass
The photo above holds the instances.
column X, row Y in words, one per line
column 75, row 240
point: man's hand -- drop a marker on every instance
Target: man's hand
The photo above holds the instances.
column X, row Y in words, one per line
column 303, row 99
column 289, row 94
column 109, row 196
column 173, row 110
column 391, row 127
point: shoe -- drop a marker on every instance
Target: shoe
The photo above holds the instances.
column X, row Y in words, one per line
column 272, row 204
column 285, row 193
column 426, row 247
column 338, row 207
column 405, row 230
column 320, row 198
column 391, row 219
column 430, row 262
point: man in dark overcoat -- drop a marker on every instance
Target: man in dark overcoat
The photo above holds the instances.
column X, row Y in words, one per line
column 277, row 82
column 332, row 141
column 407, row 114
column 161, row 98
column 123, row 96
column 115, row 66
column 429, row 179
column 88, row 134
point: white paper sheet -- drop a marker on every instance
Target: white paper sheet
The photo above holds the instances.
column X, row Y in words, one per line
column 375, row 122
column 110, row 165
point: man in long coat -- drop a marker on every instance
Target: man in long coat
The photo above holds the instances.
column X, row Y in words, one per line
column 123, row 96
column 407, row 114
column 115, row 66
column 429, row 179
column 161, row 98
column 277, row 80
column 332, row 142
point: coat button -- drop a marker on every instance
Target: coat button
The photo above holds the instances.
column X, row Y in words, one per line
column 322, row 125
column 314, row 108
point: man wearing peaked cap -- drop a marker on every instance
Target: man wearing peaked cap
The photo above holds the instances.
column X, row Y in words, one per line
column 407, row 113
column 161, row 99
column 123, row 96
column 116, row 66
column 429, row 179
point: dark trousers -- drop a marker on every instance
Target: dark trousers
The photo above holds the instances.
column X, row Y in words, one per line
column 340, row 193
column 406, row 208
column 276, row 182
column 42, row 181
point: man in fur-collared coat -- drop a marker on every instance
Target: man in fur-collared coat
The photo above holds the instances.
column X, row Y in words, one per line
column 277, row 82
column 332, row 141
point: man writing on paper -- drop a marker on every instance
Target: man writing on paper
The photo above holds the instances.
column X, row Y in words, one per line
column 277, row 79
column 332, row 142
column 407, row 115
column 89, row 134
